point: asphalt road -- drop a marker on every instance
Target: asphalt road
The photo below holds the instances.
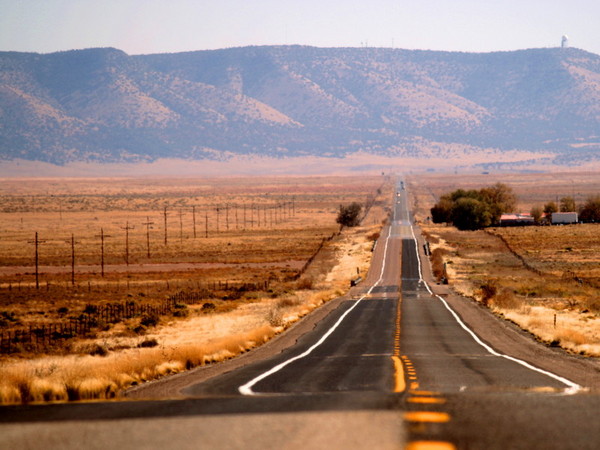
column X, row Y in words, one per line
column 366, row 371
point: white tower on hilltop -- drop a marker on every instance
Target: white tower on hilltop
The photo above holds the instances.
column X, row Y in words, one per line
column 564, row 41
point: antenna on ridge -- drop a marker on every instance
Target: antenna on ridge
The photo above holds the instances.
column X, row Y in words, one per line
column 564, row 41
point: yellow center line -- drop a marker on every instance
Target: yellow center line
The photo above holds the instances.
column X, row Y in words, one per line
column 400, row 384
column 399, row 380
column 427, row 416
column 425, row 393
column 430, row 445
column 427, row 400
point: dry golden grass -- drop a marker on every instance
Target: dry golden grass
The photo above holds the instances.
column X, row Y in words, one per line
column 566, row 251
column 93, row 377
column 204, row 336
column 550, row 271
column 266, row 231
column 182, row 345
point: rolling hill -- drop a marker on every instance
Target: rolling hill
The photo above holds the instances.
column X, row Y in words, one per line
column 102, row 105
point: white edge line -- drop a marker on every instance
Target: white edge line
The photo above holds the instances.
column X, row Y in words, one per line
column 246, row 389
column 572, row 388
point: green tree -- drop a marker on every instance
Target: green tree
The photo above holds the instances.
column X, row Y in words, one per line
column 472, row 209
column 501, row 199
column 471, row 214
column 348, row 215
column 442, row 210
column 567, row 204
column 550, row 208
column 590, row 212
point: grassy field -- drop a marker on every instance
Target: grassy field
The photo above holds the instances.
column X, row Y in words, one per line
column 546, row 279
column 270, row 253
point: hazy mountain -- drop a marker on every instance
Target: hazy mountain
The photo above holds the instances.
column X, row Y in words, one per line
column 104, row 105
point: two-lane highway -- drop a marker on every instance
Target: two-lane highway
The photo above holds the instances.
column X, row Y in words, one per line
column 463, row 392
column 350, row 350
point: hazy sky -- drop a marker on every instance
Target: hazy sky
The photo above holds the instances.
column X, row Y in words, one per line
column 156, row 26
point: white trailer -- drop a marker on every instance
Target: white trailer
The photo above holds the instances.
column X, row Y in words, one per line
column 561, row 218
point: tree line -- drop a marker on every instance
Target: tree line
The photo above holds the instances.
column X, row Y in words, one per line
column 587, row 212
column 476, row 209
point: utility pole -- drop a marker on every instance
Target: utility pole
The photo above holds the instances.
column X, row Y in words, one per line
column 206, row 224
column 218, row 219
column 37, row 262
column 165, row 215
column 72, row 259
column 37, row 243
column 194, row 219
column 127, row 228
column 148, row 227
column 102, row 236
column 181, row 226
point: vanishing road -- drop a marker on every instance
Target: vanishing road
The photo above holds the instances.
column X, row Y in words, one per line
column 398, row 363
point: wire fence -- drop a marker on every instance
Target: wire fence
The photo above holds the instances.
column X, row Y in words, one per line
column 43, row 336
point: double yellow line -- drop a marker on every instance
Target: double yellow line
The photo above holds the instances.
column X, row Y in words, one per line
column 404, row 372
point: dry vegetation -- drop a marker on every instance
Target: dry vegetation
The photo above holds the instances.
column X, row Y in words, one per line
column 545, row 279
column 222, row 292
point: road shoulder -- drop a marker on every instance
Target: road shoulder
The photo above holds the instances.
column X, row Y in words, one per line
column 507, row 338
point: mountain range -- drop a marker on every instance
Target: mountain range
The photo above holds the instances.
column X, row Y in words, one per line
column 103, row 106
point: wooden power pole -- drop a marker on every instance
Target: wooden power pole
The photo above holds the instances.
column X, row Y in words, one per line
column 102, row 236
column 37, row 243
column 127, row 228
column 148, row 228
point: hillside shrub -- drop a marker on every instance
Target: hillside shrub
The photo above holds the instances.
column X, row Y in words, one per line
column 506, row 299
column 488, row 291
column 349, row 215
column 437, row 263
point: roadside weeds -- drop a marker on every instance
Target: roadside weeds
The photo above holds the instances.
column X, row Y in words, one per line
column 554, row 311
column 184, row 344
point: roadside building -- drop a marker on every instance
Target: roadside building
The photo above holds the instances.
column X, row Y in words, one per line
column 516, row 220
column 563, row 218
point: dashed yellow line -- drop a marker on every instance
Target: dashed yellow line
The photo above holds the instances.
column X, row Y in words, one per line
column 427, row 416
column 399, row 383
column 420, row 419
column 430, row 445
column 405, row 371
column 399, row 380
column 427, row 400
column 427, row 393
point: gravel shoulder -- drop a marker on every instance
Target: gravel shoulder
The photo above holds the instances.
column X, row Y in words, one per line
column 509, row 339
column 502, row 335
